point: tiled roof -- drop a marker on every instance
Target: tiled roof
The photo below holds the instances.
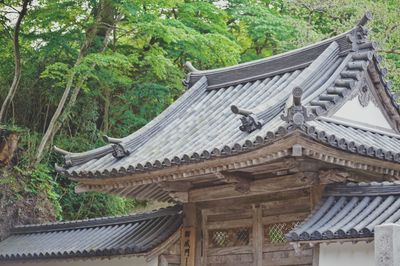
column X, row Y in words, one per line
column 200, row 124
column 350, row 211
column 107, row 236
column 356, row 139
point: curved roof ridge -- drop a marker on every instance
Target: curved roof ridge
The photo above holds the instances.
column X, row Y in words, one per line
column 303, row 80
column 262, row 60
column 273, row 65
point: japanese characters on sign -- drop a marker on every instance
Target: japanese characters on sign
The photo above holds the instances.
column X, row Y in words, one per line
column 187, row 246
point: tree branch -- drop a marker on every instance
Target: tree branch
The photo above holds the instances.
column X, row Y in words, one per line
column 17, row 61
column 391, row 51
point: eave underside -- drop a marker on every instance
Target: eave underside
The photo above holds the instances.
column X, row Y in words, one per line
column 296, row 157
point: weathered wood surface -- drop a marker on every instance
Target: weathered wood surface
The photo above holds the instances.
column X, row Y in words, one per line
column 169, row 260
column 258, row 235
column 287, row 258
column 288, row 207
column 230, row 251
column 261, row 157
column 257, row 187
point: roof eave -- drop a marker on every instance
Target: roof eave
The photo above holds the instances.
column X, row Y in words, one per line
column 281, row 147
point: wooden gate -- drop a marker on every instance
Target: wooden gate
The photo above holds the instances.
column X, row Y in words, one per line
column 254, row 234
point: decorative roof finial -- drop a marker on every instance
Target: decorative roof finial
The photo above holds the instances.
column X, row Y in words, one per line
column 358, row 36
column 364, row 20
column 111, row 140
column 249, row 120
column 60, row 151
column 297, row 114
column 119, row 151
column 190, row 67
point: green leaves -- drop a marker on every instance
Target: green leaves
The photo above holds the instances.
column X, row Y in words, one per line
column 56, row 72
column 140, row 73
column 264, row 29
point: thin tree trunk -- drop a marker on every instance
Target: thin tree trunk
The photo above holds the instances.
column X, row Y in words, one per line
column 76, row 90
column 64, row 110
column 106, row 115
column 17, row 61
column 49, row 132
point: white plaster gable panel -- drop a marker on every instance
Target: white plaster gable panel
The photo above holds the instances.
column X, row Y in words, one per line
column 363, row 109
column 347, row 254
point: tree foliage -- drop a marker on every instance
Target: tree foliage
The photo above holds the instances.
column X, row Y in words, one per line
column 121, row 86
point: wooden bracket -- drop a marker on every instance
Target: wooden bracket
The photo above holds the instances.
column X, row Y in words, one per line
column 178, row 190
column 182, row 197
column 241, row 179
column 333, row 176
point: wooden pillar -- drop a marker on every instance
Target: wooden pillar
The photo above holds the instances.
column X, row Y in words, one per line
column 258, row 235
column 316, row 192
column 315, row 261
column 192, row 220
column 204, row 232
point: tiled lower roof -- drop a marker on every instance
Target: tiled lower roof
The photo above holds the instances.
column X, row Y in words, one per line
column 351, row 211
column 132, row 234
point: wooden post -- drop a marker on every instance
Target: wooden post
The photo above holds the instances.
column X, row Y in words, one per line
column 258, row 235
column 205, row 237
column 316, row 192
column 188, row 245
column 190, row 236
column 315, row 261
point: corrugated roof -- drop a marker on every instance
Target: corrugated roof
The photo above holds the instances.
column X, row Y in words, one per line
column 200, row 124
column 107, row 236
column 351, row 211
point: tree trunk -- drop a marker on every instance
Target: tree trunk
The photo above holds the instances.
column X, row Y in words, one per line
column 102, row 28
column 106, row 115
column 17, row 61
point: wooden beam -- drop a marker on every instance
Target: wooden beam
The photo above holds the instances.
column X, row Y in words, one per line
column 257, row 187
column 222, row 206
column 177, row 186
column 229, row 224
column 230, row 251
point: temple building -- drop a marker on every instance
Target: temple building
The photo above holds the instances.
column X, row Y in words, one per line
column 285, row 161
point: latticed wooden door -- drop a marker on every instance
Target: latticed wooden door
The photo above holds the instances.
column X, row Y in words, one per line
column 236, row 236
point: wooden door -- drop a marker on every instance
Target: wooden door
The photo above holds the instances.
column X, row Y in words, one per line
column 254, row 235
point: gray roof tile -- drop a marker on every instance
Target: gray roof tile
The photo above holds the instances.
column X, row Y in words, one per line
column 350, row 211
column 107, row 236
column 200, row 124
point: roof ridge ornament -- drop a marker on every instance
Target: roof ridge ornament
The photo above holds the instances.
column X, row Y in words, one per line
column 188, row 66
column 111, row 140
column 358, row 36
column 297, row 114
column 61, row 151
column 119, row 151
column 250, row 121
